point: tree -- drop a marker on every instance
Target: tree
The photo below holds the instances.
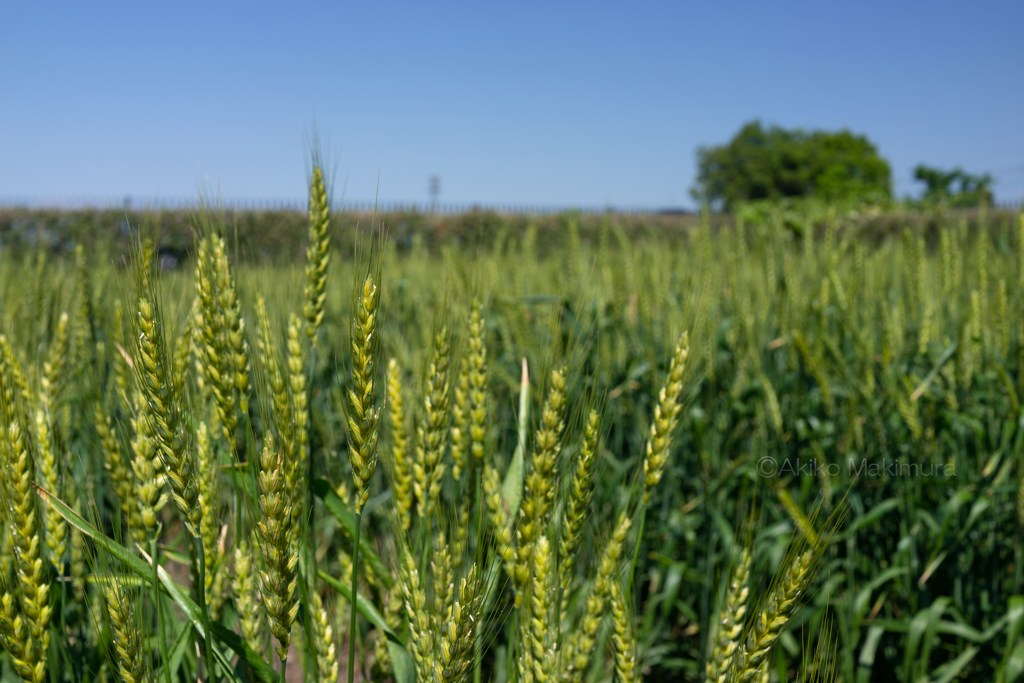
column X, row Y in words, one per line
column 776, row 163
column 956, row 188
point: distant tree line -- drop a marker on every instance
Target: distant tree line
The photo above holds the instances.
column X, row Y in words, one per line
column 775, row 163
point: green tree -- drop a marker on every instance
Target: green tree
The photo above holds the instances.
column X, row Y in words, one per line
column 956, row 188
column 775, row 163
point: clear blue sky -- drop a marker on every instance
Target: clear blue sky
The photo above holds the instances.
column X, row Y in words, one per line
column 583, row 103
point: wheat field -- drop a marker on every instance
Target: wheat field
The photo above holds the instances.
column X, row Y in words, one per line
column 775, row 449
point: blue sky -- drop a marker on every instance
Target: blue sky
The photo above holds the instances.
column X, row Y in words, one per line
column 557, row 103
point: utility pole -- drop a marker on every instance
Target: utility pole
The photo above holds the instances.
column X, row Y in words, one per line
column 434, row 188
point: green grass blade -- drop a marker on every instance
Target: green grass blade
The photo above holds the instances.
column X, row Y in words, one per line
column 512, row 486
column 1014, row 664
column 1015, row 617
column 951, row 670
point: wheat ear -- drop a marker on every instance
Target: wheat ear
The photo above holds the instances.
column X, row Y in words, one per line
column 666, row 414
column 323, row 637
column 32, row 616
column 540, row 484
column 627, row 669
column 768, row 624
column 244, row 585
column 12, row 370
column 117, row 468
column 460, row 631
column 363, row 423
column 164, row 420
column 209, row 502
column 296, row 466
column 279, row 578
column 580, row 494
column 279, row 389
column 469, row 418
column 418, row 616
column 428, row 470
column 364, row 413
column 659, row 447
column 477, row 382
column 499, row 517
column 221, row 331
column 460, row 420
column 317, row 255
column 581, row 644
column 149, row 476
column 56, row 527
column 400, row 465
column 17, row 641
column 132, row 658
column 538, row 639
column 730, row 622
column 163, row 413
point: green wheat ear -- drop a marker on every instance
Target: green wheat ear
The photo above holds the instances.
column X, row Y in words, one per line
column 279, row 578
column 326, row 655
column 666, row 414
column 219, row 329
column 580, row 647
column 428, row 471
column 317, row 255
column 244, row 585
column 540, row 485
column 364, row 413
column 459, row 630
column 580, row 494
column 627, row 668
column 25, row 622
column 730, row 622
column 153, row 370
column 400, row 464
column 128, row 640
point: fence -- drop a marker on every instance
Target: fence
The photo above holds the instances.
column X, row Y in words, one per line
column 353, row 206
column 289, row 204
